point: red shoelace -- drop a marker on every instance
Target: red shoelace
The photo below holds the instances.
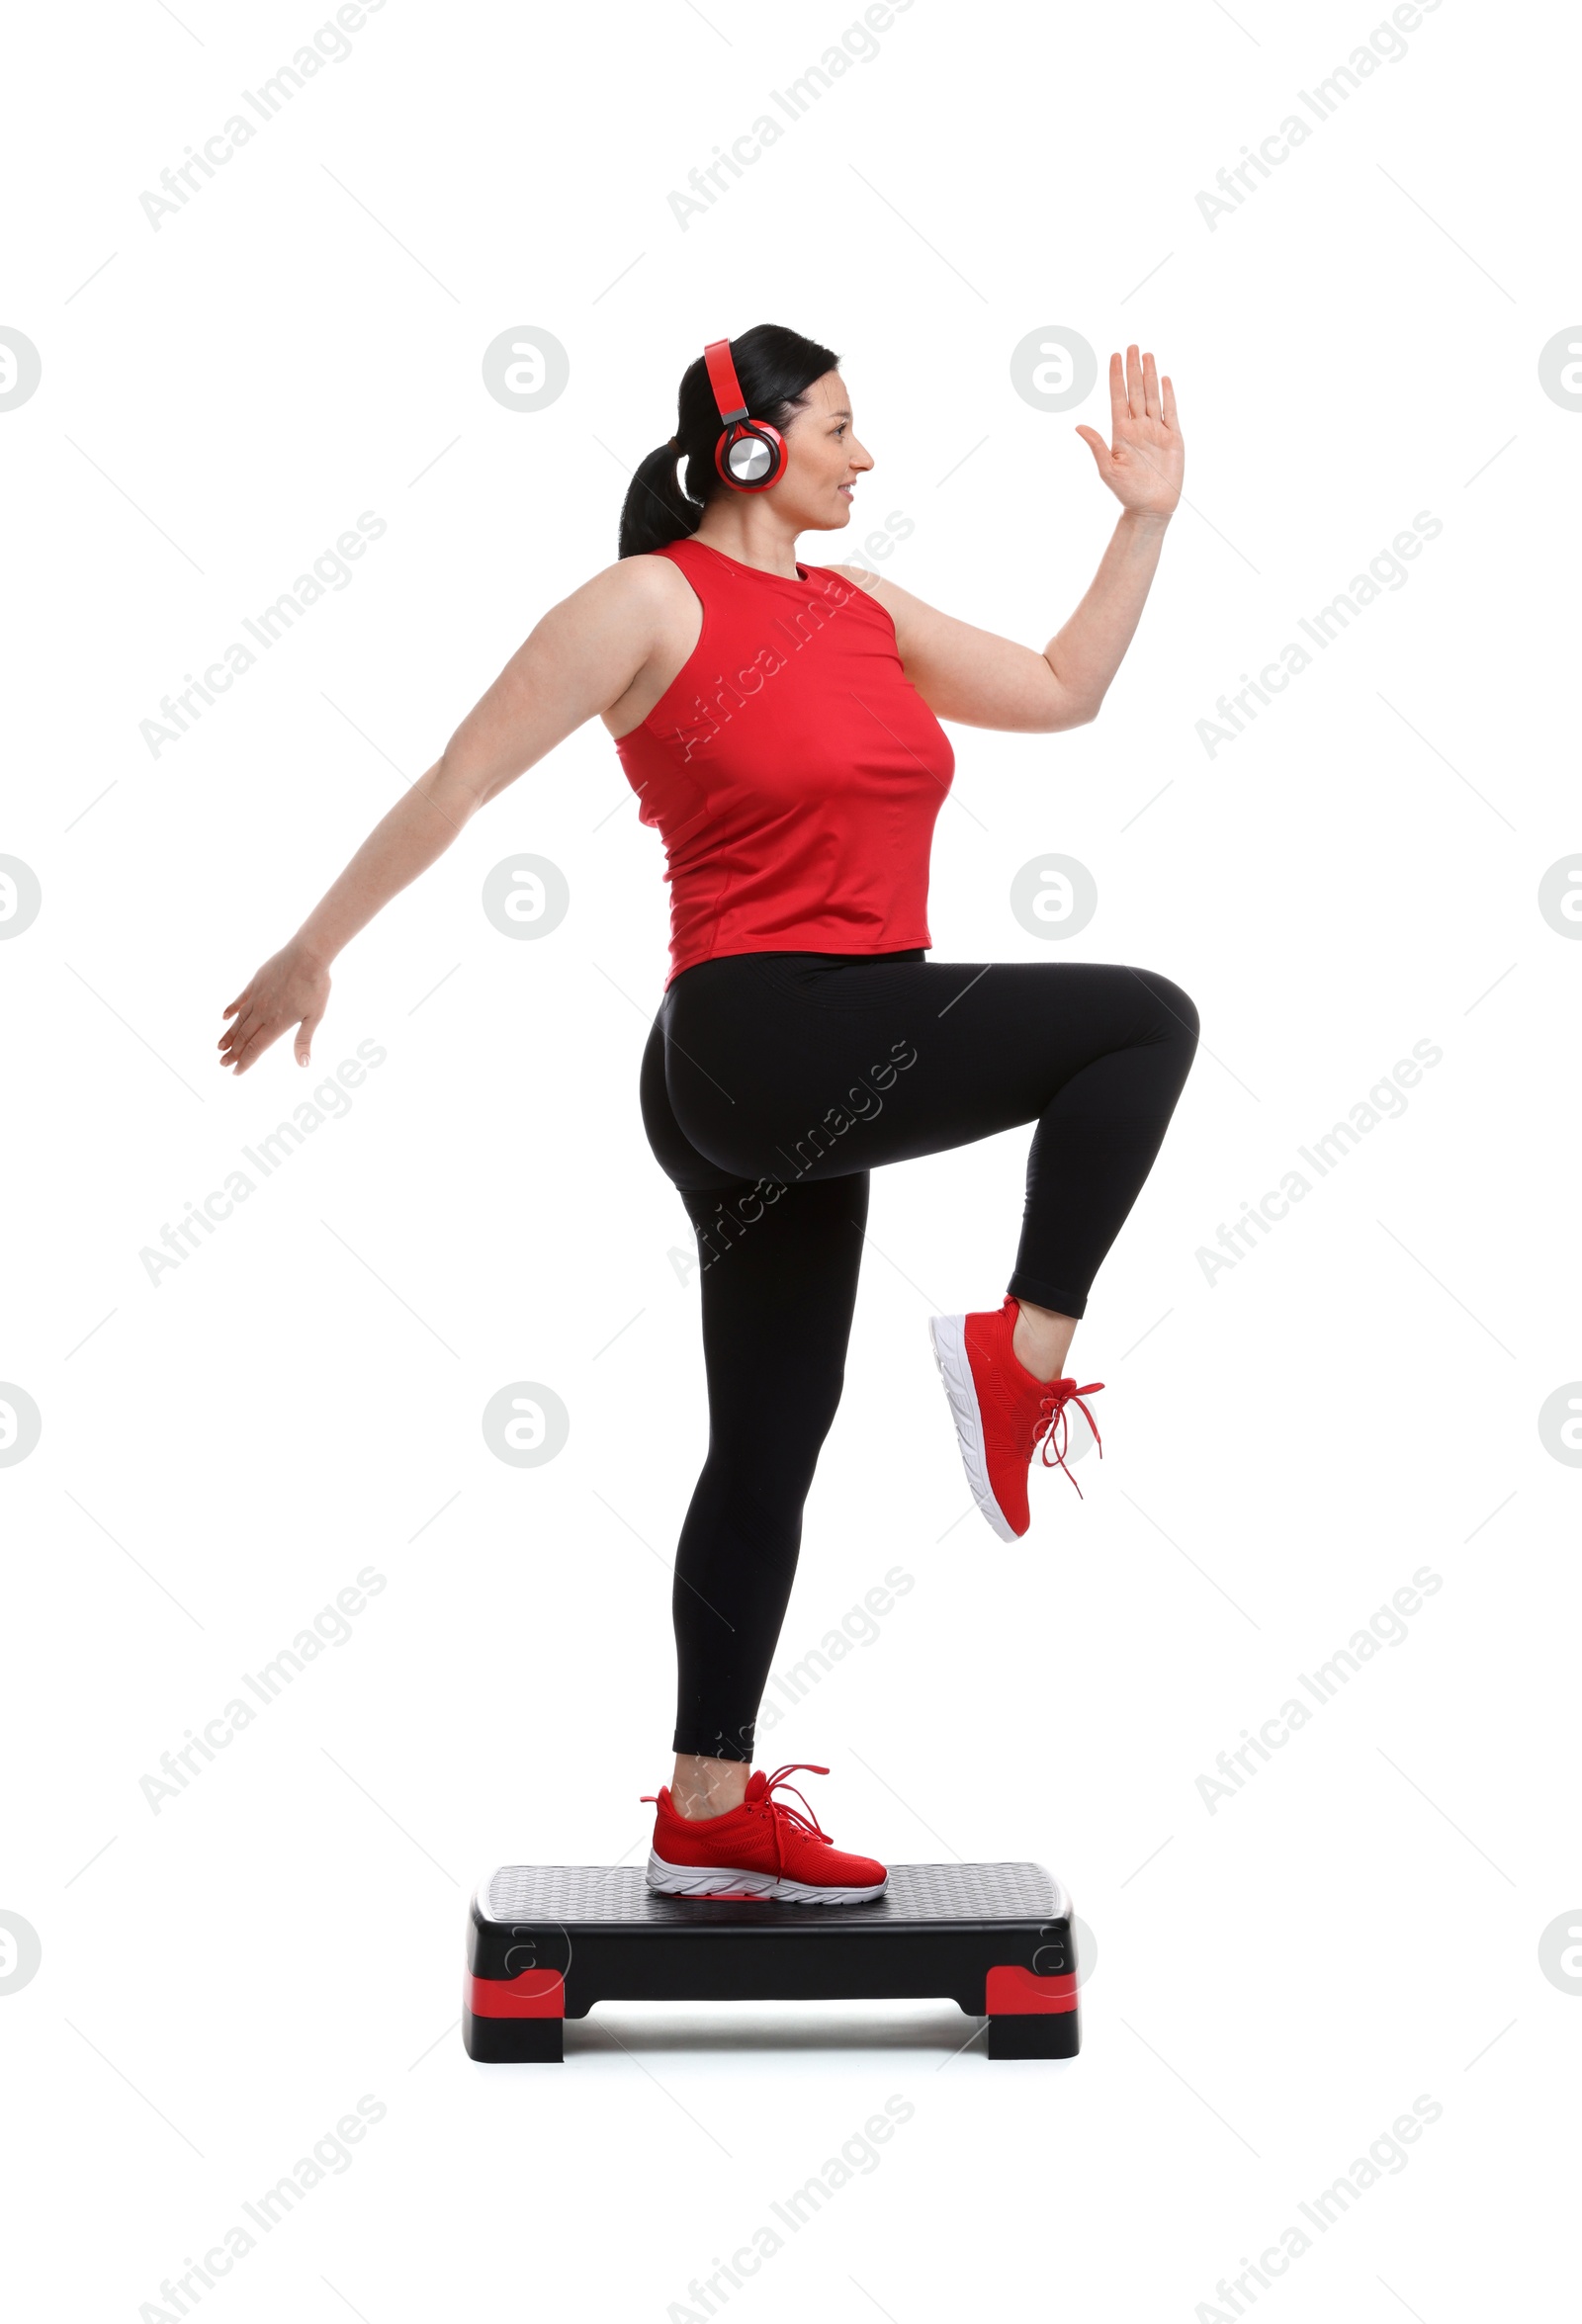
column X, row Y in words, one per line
column 781, row 1815
column 777, row 1812
column 1052, row 1410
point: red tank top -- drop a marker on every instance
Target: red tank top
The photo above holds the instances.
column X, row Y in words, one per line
column 791, row 769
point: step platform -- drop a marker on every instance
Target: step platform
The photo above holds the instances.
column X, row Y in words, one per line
column 546, row 1941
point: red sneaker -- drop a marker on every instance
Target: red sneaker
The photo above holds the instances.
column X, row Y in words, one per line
column 1001, row 1413
column 763, row 1850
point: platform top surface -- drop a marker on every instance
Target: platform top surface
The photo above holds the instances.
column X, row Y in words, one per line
column 579, row 1894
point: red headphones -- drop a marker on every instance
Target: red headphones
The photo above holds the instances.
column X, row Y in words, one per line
column 750, row 454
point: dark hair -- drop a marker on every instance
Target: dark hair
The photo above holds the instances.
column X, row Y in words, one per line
column 775, row 367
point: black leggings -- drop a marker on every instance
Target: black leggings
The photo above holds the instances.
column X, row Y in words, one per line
column 772, row 1084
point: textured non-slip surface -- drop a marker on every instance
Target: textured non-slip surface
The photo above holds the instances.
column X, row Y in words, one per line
column 929, row 1894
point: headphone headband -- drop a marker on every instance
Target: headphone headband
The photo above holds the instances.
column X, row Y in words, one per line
column 750, row 453
column 723, row 379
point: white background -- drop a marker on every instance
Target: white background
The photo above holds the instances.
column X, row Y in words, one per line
column 1357, row 1398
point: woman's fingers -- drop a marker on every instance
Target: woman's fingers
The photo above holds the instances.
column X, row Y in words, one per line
column 246, row 1009
column 1137, row 391
column 255, row 1034
column 256, row 1043
column 1151, row 402
column 1119, row 409
column 1098, row 447
column 234, row 1035
column 280, row 994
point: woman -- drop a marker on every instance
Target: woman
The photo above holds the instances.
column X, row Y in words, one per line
column 779, row 723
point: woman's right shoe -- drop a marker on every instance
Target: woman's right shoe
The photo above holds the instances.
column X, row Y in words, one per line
column 1001, row 1413
column 763, row 1850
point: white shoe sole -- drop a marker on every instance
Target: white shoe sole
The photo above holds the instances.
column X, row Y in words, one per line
column 949, row 1334
column 719, row 1881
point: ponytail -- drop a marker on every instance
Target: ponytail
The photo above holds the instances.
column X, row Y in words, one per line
column 657, row 509
column 672, row 486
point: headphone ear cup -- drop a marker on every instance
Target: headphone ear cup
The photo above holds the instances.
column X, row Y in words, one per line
column 751, row 456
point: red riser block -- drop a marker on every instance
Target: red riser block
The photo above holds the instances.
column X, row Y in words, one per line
column 1015, row 1992
column 537, row 1993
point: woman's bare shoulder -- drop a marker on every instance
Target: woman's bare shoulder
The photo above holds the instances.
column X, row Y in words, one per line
column 635, row 581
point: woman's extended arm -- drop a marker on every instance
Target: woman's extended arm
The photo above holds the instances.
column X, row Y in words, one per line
column 581, row 656
column 981, row 679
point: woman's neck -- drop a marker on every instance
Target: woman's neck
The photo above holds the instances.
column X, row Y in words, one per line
column 764, row 544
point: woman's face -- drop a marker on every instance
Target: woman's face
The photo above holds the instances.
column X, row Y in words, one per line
column 823, row 460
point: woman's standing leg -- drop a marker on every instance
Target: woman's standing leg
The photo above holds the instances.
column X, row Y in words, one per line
column 777, row 1307
column 778, row 1282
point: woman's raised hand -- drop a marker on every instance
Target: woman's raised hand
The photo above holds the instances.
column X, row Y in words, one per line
column 1144, row 462
column 290, row 989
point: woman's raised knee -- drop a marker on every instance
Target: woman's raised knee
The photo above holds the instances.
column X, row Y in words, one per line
column 1178, row 1009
